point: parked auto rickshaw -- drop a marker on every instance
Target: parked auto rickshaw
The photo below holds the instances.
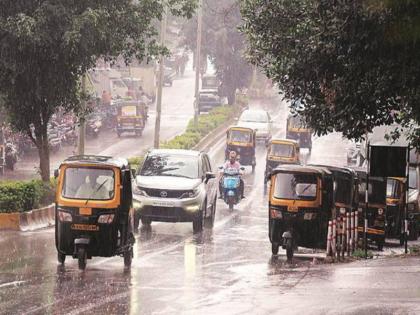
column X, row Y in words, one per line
column 243, row 141
column 281, row 151
column 300, row 206
column 131, row 117
column 296, row 130
column 94, row 214
column 376, row 212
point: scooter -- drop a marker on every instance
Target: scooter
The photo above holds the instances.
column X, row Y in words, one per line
column 231, row 186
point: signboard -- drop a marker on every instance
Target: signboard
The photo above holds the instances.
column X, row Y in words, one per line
column 388, row 161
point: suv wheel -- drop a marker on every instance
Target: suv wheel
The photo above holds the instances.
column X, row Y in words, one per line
column 210, row 220
column 146, row 221
column 198, row 223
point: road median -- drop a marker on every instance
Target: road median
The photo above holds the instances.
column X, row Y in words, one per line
column 29, row 220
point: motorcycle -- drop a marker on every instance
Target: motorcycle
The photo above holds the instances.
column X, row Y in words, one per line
column 93, row 126
column 231, row 186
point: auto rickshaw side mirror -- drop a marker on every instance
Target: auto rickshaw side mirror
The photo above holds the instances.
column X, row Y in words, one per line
column 56, row 172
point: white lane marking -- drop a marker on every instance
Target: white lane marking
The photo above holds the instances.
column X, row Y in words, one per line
column 13, row 283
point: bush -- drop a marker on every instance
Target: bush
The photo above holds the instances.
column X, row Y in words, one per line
column 21, row 196
column 135, row 162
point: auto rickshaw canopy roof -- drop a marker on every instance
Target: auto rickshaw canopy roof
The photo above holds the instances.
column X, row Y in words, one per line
column 300, row 169
column 284, row 141
column 97, row 160
column 246, row 129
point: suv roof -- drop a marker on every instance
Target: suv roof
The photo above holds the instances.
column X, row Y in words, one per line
column 175, row 152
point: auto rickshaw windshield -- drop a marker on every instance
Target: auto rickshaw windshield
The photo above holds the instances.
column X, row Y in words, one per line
column 392, row 189
column 295, row 186
column 240, row 136
column 88, row 183
column 284, row 150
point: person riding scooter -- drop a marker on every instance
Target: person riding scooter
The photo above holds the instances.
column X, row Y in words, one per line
column 232, row 164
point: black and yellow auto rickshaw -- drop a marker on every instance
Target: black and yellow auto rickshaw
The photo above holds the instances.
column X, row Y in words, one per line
column 395, row 203
column 296, row 130
column 300, row 206
column 131, row 117
column 281, row 151
column 243, row 141
column 376, row 211
column 94, row 214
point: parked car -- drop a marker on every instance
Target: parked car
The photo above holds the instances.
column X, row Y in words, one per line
column 175, row 186
column 259, row 120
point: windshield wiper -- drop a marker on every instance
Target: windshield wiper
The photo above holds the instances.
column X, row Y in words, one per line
column 97, row 189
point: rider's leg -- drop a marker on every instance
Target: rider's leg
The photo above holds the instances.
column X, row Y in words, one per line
column 242, row 188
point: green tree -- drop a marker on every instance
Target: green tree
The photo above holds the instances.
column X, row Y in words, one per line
column 353, row 64
column 223, row 43
column 47, row 45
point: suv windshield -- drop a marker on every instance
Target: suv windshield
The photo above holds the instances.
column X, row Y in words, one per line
column 251, row 116
column 88, row 183
column 170, row 165
column 295, row 186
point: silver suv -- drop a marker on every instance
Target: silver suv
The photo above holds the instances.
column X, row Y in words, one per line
column 175, row 186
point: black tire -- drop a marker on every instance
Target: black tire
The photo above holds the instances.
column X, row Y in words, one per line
column 61, row 258
column 380, row 245
column 146, row 221
column 414, row 233
column 402, row 239
column 128, row 257
column 253, row 168
column 82, row 257
column 231, row 203
column 289, row 253
column 275, row 248
column 198, row 223
column 209, row 222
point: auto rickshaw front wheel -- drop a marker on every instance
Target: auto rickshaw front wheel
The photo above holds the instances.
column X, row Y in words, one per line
column 275, row 248
column 128, row 257
column 82, row 257
column 61, row 258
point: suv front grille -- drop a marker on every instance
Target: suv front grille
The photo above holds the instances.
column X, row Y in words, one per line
column 162, row 193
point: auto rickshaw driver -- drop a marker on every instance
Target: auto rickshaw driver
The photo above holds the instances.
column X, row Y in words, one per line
column 91, row 189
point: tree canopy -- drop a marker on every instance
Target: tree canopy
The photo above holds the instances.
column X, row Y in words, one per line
column 223, row 43
column 353, row 64
column 47, row 45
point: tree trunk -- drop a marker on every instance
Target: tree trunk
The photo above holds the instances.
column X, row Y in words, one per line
column 44, row 155
column 231, row 96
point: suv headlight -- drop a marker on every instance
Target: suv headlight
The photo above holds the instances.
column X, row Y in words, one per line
column 191, row 194
column 139, row 192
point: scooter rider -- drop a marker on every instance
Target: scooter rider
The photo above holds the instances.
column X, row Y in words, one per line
column 232, row 163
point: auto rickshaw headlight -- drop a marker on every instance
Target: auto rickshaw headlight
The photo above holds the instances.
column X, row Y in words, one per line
column 276, row 214
column 106, row 218
column 342, row 210
column 64, row 216
column 380, row 211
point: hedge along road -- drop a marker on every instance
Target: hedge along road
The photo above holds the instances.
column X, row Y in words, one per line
column 177, row 110
column 227, row 270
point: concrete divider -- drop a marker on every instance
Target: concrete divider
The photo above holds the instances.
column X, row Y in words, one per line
column 28, row 221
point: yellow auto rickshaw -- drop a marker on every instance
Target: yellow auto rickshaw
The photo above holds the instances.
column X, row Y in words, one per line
column 281, row 151
column 297, row 130
column 131, row 117
column 243, row 141
column 94, row 214
column 300, row 206
column 376, row 210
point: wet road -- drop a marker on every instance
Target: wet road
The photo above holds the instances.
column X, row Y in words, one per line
column 177, row 110
column 226, row 270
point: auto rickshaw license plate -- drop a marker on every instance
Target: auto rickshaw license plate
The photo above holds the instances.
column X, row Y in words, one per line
column 293, row 209
column 85, row 227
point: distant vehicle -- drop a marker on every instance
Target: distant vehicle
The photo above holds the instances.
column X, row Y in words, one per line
column 168, row 76
column 297, row 130
column 131, row 117
column 243, row 141
column 209, row 97
column 281, row 151
column 231, row 186
column 175, row 186
column 259, row 120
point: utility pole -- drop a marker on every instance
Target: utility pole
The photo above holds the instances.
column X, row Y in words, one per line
column 198, row 59
column 82, row 121
column 160, row 79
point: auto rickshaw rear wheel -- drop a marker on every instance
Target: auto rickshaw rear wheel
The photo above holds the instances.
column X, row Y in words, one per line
column 128, row 257
column 61, row 258
column 380, row 245
column 82, row 257
column 274, row 248
column 146, row 221
column 289, row 253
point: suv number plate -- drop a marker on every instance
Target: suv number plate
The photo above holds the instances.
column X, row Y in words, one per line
column 167, row 204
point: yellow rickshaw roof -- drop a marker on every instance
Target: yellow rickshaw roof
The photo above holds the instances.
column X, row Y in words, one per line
column 241, row 129
column 284, row 141
column 95, row 161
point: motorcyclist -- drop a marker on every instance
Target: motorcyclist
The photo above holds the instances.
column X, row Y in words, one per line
column 232, row 163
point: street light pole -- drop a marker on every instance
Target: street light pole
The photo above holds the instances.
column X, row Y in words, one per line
column 82, row 121
column 160, row 79
column 198, row 59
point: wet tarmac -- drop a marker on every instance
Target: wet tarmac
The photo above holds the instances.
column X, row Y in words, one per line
column 225, row 270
